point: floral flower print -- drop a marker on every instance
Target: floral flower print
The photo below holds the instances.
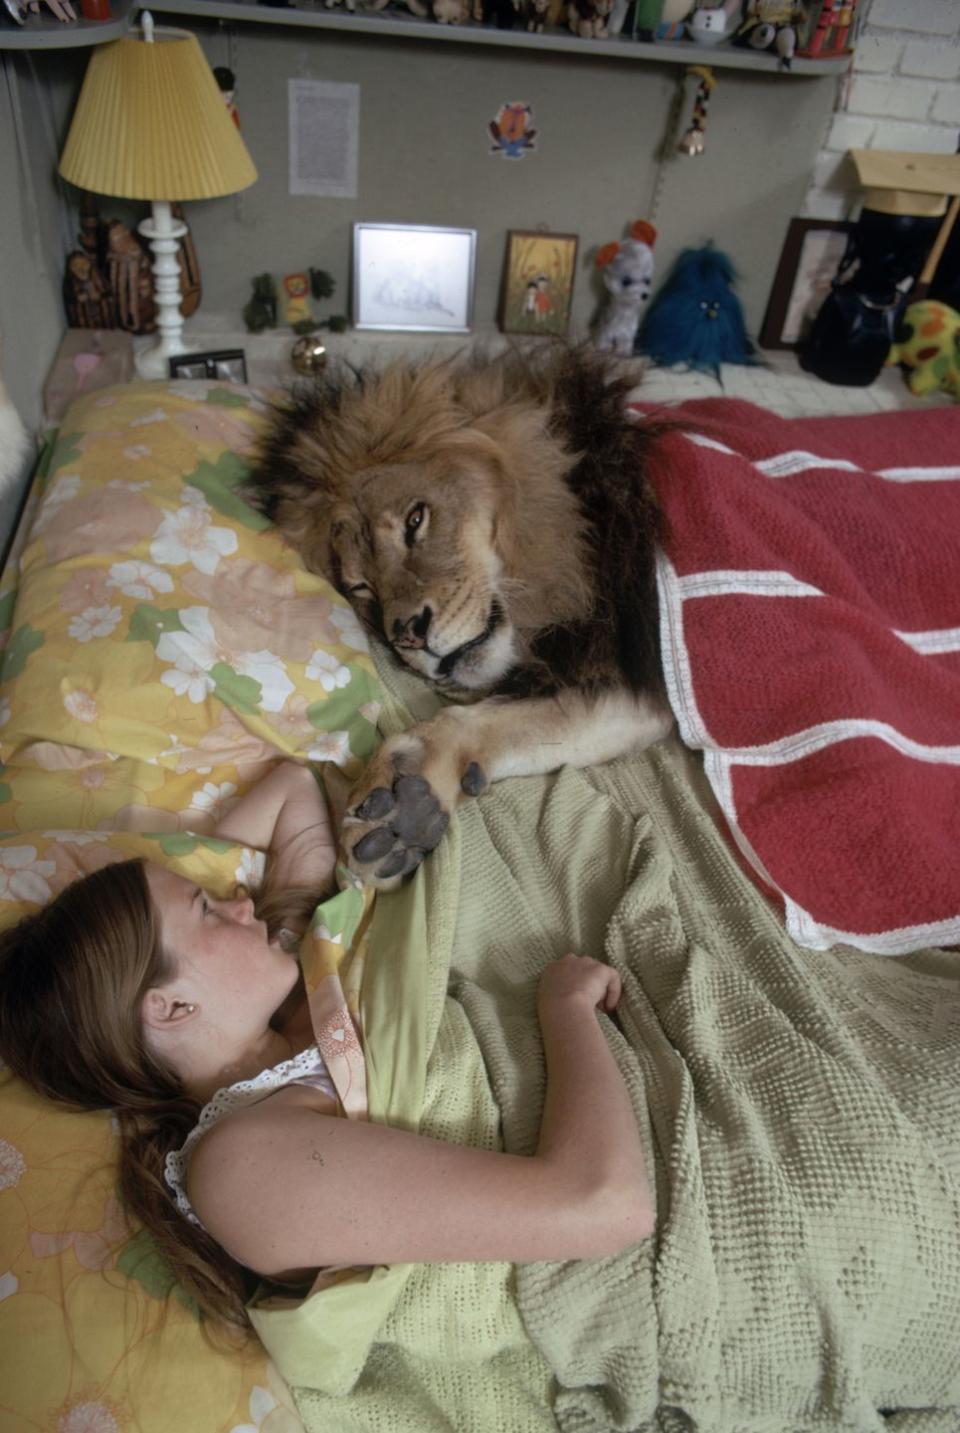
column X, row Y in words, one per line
column 331, row 746
column 209, row 800
column 139, row 579
column 196, row 651
column 324, row 668
column 189, row 536
column 24, row 878
column 94, row 622
column 80, row 705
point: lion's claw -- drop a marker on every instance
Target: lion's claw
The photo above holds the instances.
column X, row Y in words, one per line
column 407, row 823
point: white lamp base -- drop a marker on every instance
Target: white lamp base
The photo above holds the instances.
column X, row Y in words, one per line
column 164, row 233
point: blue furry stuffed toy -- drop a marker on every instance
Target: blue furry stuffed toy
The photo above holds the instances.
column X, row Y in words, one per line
column 696, row 318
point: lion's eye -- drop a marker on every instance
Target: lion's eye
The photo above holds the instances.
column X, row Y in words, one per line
column 415, row 520
column 359, row 589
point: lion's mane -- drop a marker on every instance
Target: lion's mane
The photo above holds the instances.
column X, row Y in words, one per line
column 577, row 522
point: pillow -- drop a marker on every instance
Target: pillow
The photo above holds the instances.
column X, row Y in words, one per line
column 165, row 645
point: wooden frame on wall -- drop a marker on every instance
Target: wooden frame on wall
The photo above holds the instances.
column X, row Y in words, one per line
column 537, row 288
column 809, row 260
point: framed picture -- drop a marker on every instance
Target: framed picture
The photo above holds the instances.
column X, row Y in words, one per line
column 538, row 274
column 412, row 276
column 809, row 259
column 228, row 363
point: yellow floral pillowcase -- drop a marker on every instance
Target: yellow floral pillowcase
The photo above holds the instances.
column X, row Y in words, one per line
column 163, row 645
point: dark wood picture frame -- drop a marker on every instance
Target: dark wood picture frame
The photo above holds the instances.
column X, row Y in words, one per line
column 802, row 279
column 225, row 363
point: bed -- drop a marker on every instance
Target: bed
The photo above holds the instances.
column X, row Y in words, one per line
column 800, row 1107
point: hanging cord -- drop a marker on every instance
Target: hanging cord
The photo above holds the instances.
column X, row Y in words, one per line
column 666, row 152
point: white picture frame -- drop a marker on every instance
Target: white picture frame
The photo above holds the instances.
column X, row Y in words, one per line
column 413, row 277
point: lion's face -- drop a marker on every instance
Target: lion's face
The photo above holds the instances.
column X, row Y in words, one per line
column 414, row 550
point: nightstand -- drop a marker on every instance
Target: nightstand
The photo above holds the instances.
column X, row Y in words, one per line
column 87, row 358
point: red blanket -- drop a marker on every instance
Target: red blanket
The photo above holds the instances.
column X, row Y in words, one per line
column 810, row 615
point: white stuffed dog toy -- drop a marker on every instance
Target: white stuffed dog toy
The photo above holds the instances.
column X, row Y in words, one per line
column 627, row 267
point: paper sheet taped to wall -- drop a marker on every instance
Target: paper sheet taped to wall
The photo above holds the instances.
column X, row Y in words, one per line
column 324, row 134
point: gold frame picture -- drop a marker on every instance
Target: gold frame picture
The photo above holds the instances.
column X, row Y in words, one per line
column 537, row 290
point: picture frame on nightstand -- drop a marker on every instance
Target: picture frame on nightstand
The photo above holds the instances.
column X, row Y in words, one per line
column 227, row 364
column 413, row 277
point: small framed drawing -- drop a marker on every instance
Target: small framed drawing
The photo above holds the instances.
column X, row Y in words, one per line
column 809, row 259
column 412, row 276
column 227, row 363
column 538, row 274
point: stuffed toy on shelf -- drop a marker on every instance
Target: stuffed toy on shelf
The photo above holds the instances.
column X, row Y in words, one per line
column 627, row 269
column 696, row 320
column 293, row 299
column 772, row 25
column 927, row 346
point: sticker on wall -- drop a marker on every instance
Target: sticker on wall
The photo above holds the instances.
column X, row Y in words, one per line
column 512, row 132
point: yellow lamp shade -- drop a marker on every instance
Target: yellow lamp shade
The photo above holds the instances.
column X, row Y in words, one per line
column 151, row 123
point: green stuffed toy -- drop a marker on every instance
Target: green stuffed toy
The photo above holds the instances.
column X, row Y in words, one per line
column 928, row 347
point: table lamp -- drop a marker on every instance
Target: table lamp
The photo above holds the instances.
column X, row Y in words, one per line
column 151, row 123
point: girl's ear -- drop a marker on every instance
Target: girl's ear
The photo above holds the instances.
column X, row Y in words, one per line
column 159, row 1010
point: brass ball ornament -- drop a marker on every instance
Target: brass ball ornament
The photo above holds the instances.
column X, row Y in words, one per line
column 309, row 355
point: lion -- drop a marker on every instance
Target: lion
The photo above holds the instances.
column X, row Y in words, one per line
column 489, row 520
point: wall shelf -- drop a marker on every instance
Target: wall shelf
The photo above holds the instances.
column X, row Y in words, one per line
column 42, row 33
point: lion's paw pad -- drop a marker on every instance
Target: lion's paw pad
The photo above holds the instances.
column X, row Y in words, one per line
column 408, row 822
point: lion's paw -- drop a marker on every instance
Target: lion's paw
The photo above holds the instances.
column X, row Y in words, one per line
column 388, row 833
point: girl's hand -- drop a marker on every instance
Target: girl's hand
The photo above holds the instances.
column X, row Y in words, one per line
column 578, row 978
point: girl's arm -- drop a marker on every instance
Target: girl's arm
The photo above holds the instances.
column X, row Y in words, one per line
column 284, row 1188
column 285, row 815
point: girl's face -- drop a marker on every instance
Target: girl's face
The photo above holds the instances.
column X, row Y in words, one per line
column 224, row 967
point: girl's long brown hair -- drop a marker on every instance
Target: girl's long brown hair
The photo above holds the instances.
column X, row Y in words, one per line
column 72, row 980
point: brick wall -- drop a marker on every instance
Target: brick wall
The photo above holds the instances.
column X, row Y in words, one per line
column 903, row 92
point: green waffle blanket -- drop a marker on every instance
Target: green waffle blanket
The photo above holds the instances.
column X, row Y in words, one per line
column 801, row 1113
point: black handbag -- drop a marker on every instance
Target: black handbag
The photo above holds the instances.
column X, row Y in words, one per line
column 851, row 335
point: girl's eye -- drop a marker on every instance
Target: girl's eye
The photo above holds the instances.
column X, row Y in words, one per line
column 205, row 906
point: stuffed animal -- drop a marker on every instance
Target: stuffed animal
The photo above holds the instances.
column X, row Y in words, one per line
column 627, row 268
column 927, row 345
column 294, row 298
column 588, row 18
column 696, row 319
column 771, row 25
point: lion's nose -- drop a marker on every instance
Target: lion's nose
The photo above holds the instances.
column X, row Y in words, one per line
column 413, row 631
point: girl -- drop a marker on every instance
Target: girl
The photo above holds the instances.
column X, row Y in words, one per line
column 135, row 990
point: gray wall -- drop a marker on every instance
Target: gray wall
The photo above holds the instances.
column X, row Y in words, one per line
column 35, row 98
column 424, row 158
